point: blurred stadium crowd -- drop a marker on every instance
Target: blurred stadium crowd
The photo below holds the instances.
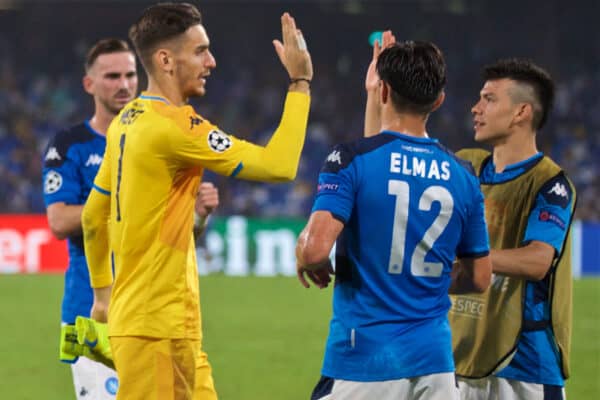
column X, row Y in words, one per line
column 41, row 71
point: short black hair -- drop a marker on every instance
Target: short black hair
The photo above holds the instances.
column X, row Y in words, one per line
column 105, row 46
column 416, row 72
column 525, row 72
column 159, row 23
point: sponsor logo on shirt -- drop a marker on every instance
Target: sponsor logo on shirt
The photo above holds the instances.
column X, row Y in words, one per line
column 335, row 157
column 194, row 121
column 416, row 149
column 327, row 187
column 52, row 154
column 218, row 141
column 559, row 190
column 548, row 216
column 52, row 182
column 94, row 159
column 111, row 385
column 129, row 116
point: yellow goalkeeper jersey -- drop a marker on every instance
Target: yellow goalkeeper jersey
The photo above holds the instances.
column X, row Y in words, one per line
column 138, row 220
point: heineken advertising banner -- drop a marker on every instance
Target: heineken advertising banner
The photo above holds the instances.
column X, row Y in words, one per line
column 250, row 246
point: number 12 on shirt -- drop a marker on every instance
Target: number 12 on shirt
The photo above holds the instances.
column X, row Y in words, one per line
column 418, row 265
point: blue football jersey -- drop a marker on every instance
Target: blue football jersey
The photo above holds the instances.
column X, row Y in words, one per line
column 537, row 359
column 71, row 163
column 409, row 207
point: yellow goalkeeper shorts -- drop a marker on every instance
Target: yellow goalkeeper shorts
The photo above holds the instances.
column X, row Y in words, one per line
column 161, row 369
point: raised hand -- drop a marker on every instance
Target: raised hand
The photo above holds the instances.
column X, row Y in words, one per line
column 293, row 52
column 372, row 78
column 207, row 199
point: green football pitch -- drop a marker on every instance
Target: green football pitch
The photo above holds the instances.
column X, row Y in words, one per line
column 264, row 338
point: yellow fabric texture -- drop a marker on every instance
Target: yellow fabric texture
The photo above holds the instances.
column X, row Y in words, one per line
column 153, row 164
column 163, row 369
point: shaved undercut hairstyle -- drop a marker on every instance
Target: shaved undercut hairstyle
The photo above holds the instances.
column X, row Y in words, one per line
column 416, row 72
column 105, row 46
column 534, row 85
column 160, row 23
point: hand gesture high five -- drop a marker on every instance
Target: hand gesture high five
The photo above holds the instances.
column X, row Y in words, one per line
column 372, row 78
column 293, row 52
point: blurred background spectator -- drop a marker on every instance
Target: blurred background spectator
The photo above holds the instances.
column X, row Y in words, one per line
column 41, row 57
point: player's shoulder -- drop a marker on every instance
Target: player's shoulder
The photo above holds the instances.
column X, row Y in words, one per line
column 63, row 141
column 557, row 189
column 468, row 159
column 185, row 118
column 343, row 154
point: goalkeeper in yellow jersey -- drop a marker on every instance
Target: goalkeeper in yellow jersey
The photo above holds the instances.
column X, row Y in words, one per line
column 138, row 219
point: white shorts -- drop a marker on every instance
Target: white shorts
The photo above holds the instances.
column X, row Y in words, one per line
column 494, row 388
column 427, row 387
column 94, row 381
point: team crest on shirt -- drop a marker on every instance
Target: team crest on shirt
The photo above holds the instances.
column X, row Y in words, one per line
column 218, row 141
column 112, row 385
column 53, row 182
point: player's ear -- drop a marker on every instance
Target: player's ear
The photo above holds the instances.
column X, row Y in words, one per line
column 163, row 60
column 384, row 96
column 439, row 101
column 88, row 84
column 523, row 113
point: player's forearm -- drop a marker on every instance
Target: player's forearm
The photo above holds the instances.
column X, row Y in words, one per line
column 95, row 237
column 372, row 117
column 64, row 220
column 278, row 161
column 530, row 262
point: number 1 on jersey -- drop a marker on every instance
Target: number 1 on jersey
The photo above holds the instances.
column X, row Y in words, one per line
column 418, row 265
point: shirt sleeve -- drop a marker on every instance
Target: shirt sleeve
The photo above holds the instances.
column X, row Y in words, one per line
column 336, row 191
column 475, row 241
column 102, row 180
column 61, row 179
column 198, row 142
column 551, row 214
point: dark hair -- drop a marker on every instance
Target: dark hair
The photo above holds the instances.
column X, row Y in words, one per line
column 416, row 72
column 105, row 46
column 159, row 23
column 525, row 72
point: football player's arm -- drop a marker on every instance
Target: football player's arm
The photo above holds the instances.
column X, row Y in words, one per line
column 546, row 232
column 472, row 273
column 64, row 219
column 95, row 218
column 372, row 86
column 62, row 209
column 313, row 248
column 278, row 160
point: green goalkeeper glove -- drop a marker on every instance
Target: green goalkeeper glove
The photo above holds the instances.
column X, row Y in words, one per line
column 94, row 335
column 70, row 349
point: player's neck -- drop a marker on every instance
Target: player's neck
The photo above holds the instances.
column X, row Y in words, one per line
column 166, row 90
column 101, row 120
column 514, row 149
column 411, row 125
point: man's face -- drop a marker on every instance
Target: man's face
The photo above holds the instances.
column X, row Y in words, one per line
column 193, row 62
column 112, row 80
column 494, row 112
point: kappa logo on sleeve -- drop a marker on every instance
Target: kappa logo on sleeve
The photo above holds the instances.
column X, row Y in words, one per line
column 218, row 141
column 557, row 191
column 52, row 154
column 194, row 121
column 52, row 182
column 335, row 157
